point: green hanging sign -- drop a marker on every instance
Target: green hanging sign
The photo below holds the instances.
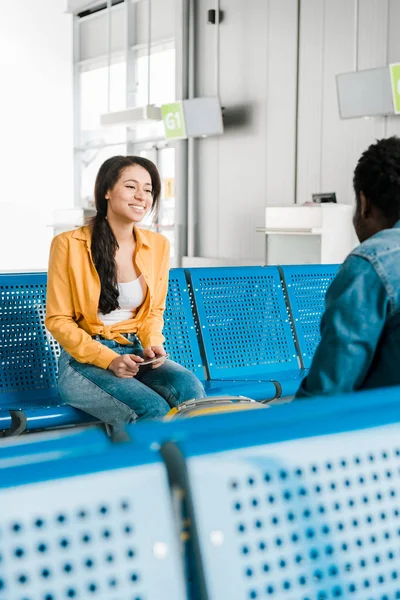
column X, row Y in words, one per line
column 174, row 120
column 395, row 77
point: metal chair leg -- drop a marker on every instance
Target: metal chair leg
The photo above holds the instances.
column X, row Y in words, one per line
column 18, row 423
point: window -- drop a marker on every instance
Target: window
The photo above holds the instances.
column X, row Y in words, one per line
column 129, row 86
column 162, row 85
column 93, row 86
column 91, row 161
column 162, row 75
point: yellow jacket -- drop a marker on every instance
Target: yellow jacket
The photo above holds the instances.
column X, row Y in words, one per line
column 73, row 292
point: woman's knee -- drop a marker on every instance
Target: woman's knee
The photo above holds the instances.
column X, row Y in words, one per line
column 153, row 408
column 191, row 386
column 184, row 386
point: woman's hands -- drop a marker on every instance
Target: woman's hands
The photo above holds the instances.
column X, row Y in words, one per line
column 125, row 366
column 155, row 351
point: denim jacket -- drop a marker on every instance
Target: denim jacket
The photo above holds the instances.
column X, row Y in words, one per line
column 360, row 329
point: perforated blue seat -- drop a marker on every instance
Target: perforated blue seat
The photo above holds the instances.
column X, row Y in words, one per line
column 28, row 354
column 19, row 450
column 98, row 525
column 300, row 503
column 182, row 343
column 245, row 326
column 5, row 419
column 179, row 325
column 306, row 287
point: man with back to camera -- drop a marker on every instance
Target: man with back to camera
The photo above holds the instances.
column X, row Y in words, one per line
column 360, row 328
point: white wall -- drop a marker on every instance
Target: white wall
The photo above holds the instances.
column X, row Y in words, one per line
column 328, row 147
column 36, row 134
column 264, row 159
column 253, row 162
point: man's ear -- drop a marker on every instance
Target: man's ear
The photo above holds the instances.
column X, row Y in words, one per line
column 365, row 206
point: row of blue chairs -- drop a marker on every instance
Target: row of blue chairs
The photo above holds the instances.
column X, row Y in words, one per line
column 300, row 503
column 81, row 518
column 248, row 331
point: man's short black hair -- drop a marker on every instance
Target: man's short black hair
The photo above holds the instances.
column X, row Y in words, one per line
column 377, row 174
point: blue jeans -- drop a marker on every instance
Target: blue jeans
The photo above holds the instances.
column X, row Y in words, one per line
column 148, row 395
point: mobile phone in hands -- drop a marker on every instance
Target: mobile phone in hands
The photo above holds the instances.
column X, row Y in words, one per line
column 150, row 361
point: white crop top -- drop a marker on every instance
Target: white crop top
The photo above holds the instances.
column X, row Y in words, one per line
column 131, row 296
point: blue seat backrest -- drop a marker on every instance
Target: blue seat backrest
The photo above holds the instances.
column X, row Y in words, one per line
column 302, row 508
column 179, row 325
column 99, row 525
column 306, row 287
column 243, row 321
column 28, row 354
column 73, row 441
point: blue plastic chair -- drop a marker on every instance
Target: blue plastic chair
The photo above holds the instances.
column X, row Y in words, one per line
column 297, row 503
column 28, row 357
column 183, row 343
column 98, row 525
column 245, row 327
column 179, row 326
column 306, row 287
column 5, row 419
column 49, row 445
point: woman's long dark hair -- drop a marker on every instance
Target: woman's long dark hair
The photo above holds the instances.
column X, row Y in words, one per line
column 104, row 243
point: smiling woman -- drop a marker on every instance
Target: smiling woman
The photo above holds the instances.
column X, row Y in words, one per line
column 134, row 190
column 107, row 285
